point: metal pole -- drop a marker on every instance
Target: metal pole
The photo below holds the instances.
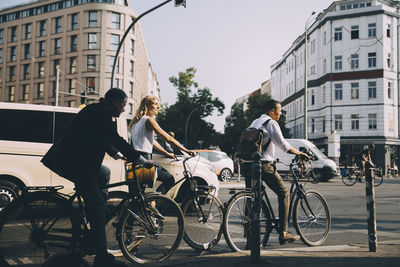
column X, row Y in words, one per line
column 370, row 194
column 186, row 124
column 255, row 209
column 126, row 34
column 57, row 84
column 305, row 86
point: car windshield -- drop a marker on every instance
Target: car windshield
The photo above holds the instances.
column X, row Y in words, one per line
column 318, row 152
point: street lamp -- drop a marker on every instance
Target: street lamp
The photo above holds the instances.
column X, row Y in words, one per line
column 187, row 120
column 305, row 78
column 177, row 3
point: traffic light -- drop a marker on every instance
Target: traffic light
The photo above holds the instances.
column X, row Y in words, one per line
column 180, row 3
column 83, row 97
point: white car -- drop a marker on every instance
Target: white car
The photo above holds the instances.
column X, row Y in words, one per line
column 222, row 163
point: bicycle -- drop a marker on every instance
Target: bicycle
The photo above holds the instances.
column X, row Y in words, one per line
column 304, row 170
column 352, row 175
column 44, row 222
column 203, row 213
column 308, row 210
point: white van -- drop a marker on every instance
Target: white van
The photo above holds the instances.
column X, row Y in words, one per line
column 28, row 131
column 324, row 168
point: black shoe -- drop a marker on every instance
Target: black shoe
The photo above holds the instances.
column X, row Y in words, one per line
column 107, row 260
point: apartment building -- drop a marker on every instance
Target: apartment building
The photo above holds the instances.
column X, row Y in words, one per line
column 79, row 38
column 352, row 72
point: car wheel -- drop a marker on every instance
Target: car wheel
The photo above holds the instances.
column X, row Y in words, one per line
column 226, row 175
column 7, row 193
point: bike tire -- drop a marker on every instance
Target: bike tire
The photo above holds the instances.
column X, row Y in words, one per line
column 349, row 179
column 311, row 218
column 237, row 222
column 313, row 178
column 114, row 198
column 202, row 232
column 137, row 241
column 378, row 178
column 37, row 226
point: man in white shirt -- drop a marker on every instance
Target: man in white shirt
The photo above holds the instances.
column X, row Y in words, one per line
column 273, row 138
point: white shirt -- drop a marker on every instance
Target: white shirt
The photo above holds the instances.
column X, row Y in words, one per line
column 141, row 139
column 271, row 131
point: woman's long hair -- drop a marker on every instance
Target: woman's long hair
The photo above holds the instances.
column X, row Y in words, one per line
column 142, row 110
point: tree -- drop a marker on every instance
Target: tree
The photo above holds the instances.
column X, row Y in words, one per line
column 191, row 99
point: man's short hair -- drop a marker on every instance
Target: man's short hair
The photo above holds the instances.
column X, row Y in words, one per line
column 113, row 94
column 270, row 105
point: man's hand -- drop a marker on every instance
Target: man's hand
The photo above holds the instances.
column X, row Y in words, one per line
column 304, row 156
column 119, row 156
column 170, row 155
column 192, row 153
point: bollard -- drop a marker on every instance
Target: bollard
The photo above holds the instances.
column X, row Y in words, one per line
column 256, row 208
column 370, row 194
column 238, row 169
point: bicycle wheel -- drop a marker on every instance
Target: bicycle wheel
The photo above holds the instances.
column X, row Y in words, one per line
column 349, row 179
column 203, row 221
column 312, row 177
column 311, row 218
column 35, row 227
column 237, row 222
column 378, row 177
column 114, row 198
column 152, row 235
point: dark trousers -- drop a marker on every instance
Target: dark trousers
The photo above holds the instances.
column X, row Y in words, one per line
column 164, row 176
column 95, row 208
column 274, row 181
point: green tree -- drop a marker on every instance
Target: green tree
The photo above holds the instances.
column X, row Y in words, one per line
column 196, row 102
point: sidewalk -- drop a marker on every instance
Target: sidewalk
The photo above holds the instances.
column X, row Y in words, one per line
column 388, row 254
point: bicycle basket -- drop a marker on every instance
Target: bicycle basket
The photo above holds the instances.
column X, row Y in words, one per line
column 145, row 176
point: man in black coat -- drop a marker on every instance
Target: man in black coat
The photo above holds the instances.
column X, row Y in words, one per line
column 78, row 156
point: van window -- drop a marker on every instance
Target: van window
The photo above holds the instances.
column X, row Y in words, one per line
column 213, row 157
column 31, row 126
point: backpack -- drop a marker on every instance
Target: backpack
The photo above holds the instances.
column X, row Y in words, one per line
column 251, row 141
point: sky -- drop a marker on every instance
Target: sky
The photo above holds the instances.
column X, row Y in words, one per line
column 231, row 43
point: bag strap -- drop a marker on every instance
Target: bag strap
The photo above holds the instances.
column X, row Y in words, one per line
column 266, row 145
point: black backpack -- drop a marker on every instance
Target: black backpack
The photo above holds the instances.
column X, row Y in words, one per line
column 251, row 141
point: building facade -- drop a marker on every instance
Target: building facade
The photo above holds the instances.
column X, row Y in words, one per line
column 352, row 72
column 75, row 40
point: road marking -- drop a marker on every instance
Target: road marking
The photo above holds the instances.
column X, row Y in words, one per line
column 11, row 262
column 26, row 260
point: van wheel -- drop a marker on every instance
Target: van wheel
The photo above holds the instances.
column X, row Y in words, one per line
column 7, row 193
column 226, row 175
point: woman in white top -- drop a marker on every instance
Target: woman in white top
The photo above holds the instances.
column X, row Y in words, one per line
column 142, row 127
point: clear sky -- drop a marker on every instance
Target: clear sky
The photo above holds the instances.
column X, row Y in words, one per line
column 231, row 43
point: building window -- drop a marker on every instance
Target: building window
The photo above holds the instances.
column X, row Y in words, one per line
column 28, row 31
column 13, row 34
column 338, row 34
column 1, row 36
column 13, row 53
column 11, row 72
column 372, row 121
column 371, row 60
column 355, row 122
column 42, row 47
column 42, row 28
column 338, row 122
column 338, row 91
column 131, row 90
column 91, row 83
column 40, row 69
column 312, row 98
column 1, row 55
column 74, row 22
column 56, row 65
column 312, row 125
column 91, row 63
column 11, row 93
column 27, row 51
column 57, row 46
column 354, row 91
column 57, row 25
column 130, row 108
column 25, row 91
column 112, row 58
column 74, row 43
column 338, row 62
column 114, row 42
column 40, row 90
column 92, row 19
column 323, row 123
column 72, row 86
column 26, row 74
column 324, row 41
column 389, row 90
column 131, row 69
column 372, row 30
column 389, row 61
column 388, row 31
column 132, row 47
column 312, row 47
column 71, row 103
column 92, row 41
column 371, row 90
column 354, row 32
column 312, row 70
column 115, row 20
column 324, row 65
column 72, row 65
column 354, row 61
column 323, row 94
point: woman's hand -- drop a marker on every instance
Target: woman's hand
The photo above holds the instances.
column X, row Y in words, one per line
column 170, row 155
column 192, row 153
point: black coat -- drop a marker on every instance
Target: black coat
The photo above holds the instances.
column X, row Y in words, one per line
column 81, row 149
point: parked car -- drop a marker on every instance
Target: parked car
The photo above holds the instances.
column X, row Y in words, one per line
column 28, row 131
column 221, row 161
